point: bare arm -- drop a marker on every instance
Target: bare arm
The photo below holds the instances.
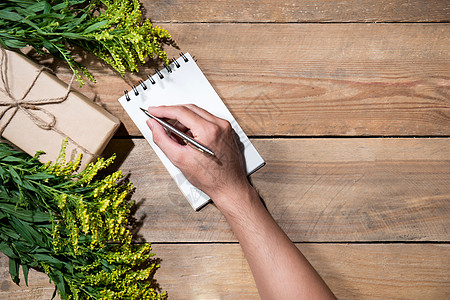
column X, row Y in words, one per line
column 279, row 268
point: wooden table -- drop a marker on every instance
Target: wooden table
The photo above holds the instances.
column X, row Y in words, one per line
column 349, row 104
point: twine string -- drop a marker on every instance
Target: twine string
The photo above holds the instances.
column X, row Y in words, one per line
column 30, row 106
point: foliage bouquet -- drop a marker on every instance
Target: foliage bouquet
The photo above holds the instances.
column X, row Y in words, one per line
column 111, row 29
column 73, row 227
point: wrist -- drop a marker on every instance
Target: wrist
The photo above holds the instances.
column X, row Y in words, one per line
column 237, row 201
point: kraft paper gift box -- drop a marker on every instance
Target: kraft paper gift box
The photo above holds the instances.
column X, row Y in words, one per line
column 42, row 119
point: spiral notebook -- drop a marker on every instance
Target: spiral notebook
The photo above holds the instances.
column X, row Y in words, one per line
column 183, row 82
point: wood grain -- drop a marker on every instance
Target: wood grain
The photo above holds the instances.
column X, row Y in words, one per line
column 352, row 271
column 313, row 79
column 275, row 11
column 304, row 69
column 316, row 189
column 358, row 271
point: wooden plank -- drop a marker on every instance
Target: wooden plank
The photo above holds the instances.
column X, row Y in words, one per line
column 353, row 271
column 298, row 11
column 316, row 189
column 313, row 79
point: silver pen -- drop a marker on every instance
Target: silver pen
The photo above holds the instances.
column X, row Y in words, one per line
column 187, row 139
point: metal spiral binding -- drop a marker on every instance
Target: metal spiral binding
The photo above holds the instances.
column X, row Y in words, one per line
column 135, row 90
column 141, row 83
column 159, row 74
column 175, row 62
column 184, row 57
column 152, row 81
column 126, row 95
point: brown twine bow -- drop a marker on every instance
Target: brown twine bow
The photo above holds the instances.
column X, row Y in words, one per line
column 29, row 106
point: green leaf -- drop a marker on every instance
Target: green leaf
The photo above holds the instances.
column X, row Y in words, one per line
column 14, row 270
column 39, row 176
column 25, row 215
column 79, row 21
column 23, row 230
column 13, row 159
column 4, row 152
column 9, row 232
column 69, row 267
column 46, row 17
column 7, row 250
column 29, row 23
column 49, row 259
column 35, row 235
column 29, row 186
column 16, row 178
column 72, row 35
column 25, row 273
column 11, row 16
column 41, row 250
column 14, row 44
column 59, row 282
column 47, row 7
column 23, row 2
column 23, row 247
column 95, row 26
column 60, row 6
column 4, row 175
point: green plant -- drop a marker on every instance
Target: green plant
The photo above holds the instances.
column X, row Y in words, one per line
column 73, row 227
column 111, row 29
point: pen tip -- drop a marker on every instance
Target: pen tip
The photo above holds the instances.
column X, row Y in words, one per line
column 142, row 109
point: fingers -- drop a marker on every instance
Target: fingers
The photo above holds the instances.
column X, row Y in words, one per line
column 180, row 126
column 171, row 148
column 202, row 113
column 224, row 124
column 180, row 113
column 190, row 119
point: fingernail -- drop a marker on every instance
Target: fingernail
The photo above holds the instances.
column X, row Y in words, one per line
column 150, row 124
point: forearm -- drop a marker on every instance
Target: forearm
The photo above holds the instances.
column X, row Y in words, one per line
column 279, row 268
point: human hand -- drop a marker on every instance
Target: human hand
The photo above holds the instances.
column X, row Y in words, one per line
column 287, row 274
column 223, row 174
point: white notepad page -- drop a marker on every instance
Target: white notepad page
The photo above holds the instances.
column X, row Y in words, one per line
column 185, row 84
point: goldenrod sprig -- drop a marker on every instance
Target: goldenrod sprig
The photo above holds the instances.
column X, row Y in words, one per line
column 113, row 30
column 73, row 227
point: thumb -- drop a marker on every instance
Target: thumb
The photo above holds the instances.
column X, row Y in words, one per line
column 171, row 149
